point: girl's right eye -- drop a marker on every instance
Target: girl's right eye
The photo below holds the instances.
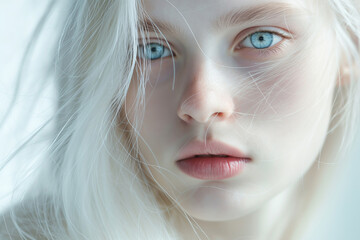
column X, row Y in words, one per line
column 153, row 51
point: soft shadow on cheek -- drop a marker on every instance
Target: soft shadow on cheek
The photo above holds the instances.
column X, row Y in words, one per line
column 161, row 72
column 156, row 108
column 274, row 92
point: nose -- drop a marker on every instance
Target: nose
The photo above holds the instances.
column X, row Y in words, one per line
column 206, row 99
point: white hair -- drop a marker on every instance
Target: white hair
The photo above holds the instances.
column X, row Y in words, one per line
column 92, row 184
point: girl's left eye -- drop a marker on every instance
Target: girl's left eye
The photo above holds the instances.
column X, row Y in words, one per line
column 153, row 51
column 261, row 40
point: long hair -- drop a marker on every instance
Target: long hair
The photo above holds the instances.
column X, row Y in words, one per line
column 92, row 184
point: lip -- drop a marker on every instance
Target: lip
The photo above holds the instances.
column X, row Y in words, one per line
column 211, row 147
column 211, row 167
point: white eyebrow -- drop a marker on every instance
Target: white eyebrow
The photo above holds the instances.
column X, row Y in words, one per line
column 256, row 13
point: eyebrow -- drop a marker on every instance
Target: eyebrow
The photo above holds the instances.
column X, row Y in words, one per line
column 232, row 18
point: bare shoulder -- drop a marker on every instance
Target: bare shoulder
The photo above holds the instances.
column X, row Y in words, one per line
column 25, row 221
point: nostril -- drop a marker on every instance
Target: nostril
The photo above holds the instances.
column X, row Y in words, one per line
column 187, row 118
column 219, row 114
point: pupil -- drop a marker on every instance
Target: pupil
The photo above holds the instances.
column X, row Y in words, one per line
column 261, row 38
column 153, row 49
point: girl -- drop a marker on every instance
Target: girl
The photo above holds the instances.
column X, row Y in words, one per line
column 181, row 119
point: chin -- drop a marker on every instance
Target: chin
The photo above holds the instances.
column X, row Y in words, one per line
column 211, row 203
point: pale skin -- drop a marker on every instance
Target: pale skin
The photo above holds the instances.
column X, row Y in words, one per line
column 280, row 119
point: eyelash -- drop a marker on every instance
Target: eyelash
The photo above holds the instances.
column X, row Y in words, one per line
column 271, row 51
column 261, row 52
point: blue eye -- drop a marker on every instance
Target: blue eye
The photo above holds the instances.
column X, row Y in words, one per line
column 260, row 40
column 153, row 51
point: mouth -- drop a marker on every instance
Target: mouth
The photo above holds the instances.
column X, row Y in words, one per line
column 210, row 148
column 213, row 161
column 210, row 156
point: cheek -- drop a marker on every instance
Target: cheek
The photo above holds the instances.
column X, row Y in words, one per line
column 291, row 131
column 156, row 76
column 161, row 72
column 283, row 91
column 160, row 106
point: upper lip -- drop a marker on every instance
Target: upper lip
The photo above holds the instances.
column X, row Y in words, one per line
column 211, row 147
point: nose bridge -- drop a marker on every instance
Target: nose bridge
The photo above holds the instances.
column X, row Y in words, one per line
column 206, row 95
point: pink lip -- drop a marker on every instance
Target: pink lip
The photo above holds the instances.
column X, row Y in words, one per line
column 211, row 167
column 210, row 147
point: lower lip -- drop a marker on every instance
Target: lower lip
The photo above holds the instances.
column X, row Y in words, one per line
column 212, row 168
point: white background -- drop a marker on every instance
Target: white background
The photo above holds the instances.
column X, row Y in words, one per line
column 338, row 220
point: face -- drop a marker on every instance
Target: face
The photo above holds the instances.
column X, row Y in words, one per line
column 260, row 81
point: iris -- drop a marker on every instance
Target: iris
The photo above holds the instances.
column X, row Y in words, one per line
column 152, row 51
column 261, row 39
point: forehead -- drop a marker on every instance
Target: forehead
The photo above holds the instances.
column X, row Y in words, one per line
column 203, row 8
column 156, row 6
column 216, row 14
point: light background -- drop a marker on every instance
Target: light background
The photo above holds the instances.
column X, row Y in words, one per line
column 339, row 219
